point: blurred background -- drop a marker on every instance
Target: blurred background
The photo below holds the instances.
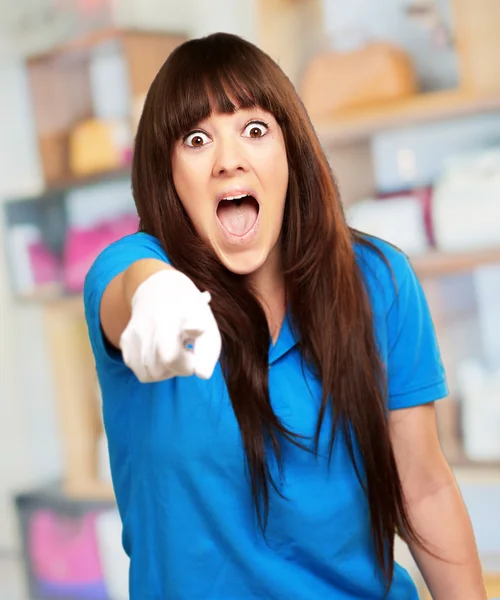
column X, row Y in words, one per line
column 405, row 98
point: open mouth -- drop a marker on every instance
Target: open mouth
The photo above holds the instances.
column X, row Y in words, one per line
column 238, row 215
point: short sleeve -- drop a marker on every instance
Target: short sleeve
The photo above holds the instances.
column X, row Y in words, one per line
column 112, row 261
column 414, row 366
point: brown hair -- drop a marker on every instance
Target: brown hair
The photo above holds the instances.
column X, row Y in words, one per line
column 327, row 300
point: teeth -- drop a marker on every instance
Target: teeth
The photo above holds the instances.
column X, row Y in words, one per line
column 235, row 197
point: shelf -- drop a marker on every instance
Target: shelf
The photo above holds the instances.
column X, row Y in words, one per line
column 69, row 183
column 67, row 302
column 435, row 264
column 360, row 123
column 467, row 463
column 94, row 178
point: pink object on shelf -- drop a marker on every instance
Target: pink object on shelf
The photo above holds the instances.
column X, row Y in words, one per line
column 424, row 196
column 84, row 245
column 64, row 550
column 44, row 264
column 127, row 156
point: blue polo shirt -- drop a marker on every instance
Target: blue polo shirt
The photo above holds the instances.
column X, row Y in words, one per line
column 178, row 464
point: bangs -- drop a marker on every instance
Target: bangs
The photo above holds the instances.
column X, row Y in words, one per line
column 204, row 79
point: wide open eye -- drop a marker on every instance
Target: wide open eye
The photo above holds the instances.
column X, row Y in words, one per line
column 196, row 139
column 256, row 129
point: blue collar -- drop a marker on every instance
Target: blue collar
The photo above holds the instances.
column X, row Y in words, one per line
column 287, row 339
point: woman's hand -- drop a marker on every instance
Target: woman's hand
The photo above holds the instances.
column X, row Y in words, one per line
column 172, row 331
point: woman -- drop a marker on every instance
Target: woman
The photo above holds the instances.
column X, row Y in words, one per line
column 268, row 374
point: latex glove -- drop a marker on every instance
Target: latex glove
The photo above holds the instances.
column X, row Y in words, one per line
column 168, row 314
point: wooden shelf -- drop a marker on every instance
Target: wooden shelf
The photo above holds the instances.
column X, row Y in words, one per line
column 360, row 123
column 68, row 302
column 94, row 178
column 466, row 463
column 437, row 263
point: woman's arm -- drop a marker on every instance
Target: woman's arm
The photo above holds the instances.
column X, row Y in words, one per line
column 117, row 298
column 436, row 507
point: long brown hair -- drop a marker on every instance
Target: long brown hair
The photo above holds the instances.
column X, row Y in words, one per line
column 326, row 297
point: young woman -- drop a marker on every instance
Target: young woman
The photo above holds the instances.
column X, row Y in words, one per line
column 268, row 374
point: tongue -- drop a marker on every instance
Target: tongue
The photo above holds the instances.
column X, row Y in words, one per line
column 238, row 220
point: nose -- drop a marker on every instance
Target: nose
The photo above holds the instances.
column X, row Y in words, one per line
column 229, row 159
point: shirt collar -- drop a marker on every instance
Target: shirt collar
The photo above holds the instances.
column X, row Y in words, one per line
column 288, row 338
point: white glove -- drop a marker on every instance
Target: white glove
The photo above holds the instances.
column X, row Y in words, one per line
column 172, row 331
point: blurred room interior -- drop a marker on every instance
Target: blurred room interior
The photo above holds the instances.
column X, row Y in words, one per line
column 405, row 98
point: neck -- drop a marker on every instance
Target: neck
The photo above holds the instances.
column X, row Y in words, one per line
column 269, row 284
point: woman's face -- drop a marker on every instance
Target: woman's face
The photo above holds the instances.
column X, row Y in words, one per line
column 231, row 175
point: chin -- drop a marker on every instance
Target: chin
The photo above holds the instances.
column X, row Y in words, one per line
column 243, row 262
